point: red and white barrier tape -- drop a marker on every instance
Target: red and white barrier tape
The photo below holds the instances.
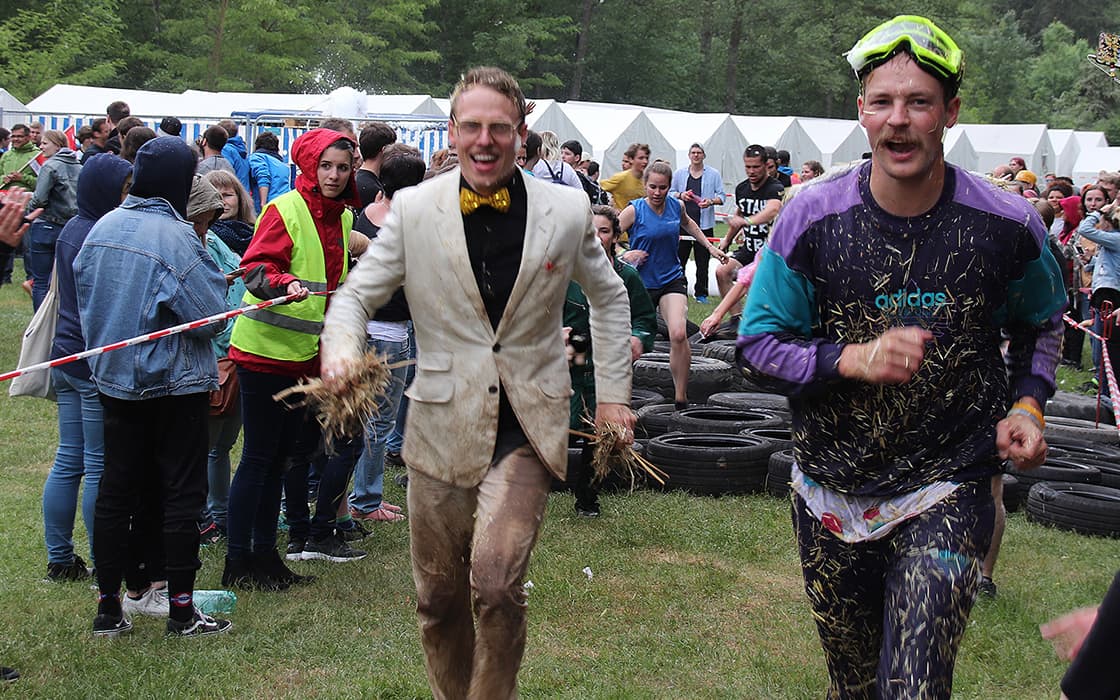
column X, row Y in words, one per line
column 1110, row 377
column 150, row 336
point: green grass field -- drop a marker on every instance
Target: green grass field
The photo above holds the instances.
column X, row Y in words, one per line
column 690, row 598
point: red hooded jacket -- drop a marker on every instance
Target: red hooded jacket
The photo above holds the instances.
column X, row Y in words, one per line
column 269, row 256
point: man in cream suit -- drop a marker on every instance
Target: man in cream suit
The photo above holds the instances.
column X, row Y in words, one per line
column 485, row 255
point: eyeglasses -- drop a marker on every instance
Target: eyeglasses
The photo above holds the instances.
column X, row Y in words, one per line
column 930, row 46
column 499, row 131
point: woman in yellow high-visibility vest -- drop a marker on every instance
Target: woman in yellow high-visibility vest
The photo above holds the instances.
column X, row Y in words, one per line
column 299, row 246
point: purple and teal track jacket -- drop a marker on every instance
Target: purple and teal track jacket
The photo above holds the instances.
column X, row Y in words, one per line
column 839, row 269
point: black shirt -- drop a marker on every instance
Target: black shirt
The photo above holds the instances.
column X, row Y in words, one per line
column 749, row 202
column 396, row 309
column 691, row 207
column 368, row 186
column 495, row 242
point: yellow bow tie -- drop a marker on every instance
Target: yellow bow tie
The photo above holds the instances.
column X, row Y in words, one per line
column 470, row 200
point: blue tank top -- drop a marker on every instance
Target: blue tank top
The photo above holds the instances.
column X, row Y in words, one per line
column 657, row 236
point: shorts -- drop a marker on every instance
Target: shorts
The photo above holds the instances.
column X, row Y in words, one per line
column 744, row 255
column 677, row 286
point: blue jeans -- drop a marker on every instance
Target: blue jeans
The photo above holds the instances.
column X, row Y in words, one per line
column 43, row 235
column 81, row 453
column 396, row 439
column 370, row 471
column 223, row 434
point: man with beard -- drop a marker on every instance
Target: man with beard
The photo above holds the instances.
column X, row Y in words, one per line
column 758, row 199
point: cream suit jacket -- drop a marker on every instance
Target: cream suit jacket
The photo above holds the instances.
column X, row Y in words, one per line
column 453, row 414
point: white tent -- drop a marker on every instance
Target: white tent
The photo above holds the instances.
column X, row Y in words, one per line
column 783, row 133
column 1090, row 139
column 996, row 144
column 1065, row 148
column 959, row 150
column 203, row 105
column 835, row 140
column 1092, row 161
column 722, row 141
column 12, row 111
column 605, row 131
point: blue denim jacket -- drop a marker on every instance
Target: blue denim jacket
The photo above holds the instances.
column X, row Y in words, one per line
column 1106, row 268
column 142, row 268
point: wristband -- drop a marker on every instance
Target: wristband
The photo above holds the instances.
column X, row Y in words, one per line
column 1025, row 409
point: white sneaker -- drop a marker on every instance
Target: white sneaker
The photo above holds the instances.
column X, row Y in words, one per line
column 154, row 603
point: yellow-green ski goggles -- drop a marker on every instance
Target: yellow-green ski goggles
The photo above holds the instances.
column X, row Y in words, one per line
column 932, row 48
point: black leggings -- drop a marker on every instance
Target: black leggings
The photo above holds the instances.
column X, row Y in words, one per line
column 891, row 613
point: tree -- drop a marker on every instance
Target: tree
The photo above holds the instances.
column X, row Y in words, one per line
column 42, row 47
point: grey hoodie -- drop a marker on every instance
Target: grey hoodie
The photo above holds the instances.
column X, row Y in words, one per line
column 57, row 188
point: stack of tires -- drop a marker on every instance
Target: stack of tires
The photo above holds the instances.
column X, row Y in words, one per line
column 714, row 450
column 1078, row 487
column 723, row 441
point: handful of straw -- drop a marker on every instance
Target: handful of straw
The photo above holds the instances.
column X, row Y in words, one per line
column 345, row 413
column 614, row 451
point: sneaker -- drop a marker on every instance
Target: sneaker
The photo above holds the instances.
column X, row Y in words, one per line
column 8, row 675
column 352, row 531
column 111, row 625
column 332, row 548
column 987, row 587
column 588, row 510
column 393, row 460
column 209, row 533
column 295, row 549
column 200, row 625
column 74, row 571
column 153, row 603
column 385, row 513
column 401, row 480
column 702, row 299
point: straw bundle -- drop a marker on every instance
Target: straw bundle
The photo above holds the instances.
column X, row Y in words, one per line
column 613, row 450
column 345, row 413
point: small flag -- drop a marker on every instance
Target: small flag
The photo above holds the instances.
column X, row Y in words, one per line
column 36, row 163
column 70, row 137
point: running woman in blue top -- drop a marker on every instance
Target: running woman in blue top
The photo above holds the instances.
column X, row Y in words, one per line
column 655, row 223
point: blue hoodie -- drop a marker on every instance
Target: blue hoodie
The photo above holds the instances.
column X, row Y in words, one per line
column 237, row 154
column 99, row 192
column 144, row 269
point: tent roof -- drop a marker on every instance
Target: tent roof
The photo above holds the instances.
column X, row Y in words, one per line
column 959, row 150
column 995, row 144
column 9, row 102
column 78, row 99
column 1092, row 161
column 839, row 140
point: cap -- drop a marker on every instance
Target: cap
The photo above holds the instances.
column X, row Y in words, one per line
column 171, row 126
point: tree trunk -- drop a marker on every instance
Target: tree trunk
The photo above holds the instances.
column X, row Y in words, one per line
column 733, row 42
column 581, row 49
column 707, row 31
column 216, row 53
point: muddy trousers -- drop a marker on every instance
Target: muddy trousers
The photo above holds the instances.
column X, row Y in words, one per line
column 470, row 551
column 891, row 613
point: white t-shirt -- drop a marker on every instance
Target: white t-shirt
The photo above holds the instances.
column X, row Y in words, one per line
column 558, row 172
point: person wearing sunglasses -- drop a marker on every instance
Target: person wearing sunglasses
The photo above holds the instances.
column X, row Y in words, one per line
column 877, row 307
